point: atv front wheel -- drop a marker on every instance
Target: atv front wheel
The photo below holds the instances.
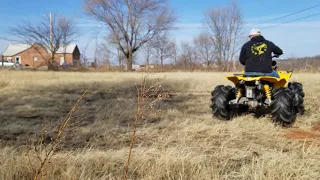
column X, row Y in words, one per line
column 221, row 96
column 282, row 107
column 297, row 89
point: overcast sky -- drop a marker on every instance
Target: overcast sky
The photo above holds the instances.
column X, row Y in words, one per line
column 297, row 39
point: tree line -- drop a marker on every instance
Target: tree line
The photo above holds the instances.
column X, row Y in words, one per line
column 142, row 29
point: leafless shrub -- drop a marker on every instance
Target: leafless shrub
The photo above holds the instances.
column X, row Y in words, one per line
column 148, row 96
column 47, row 146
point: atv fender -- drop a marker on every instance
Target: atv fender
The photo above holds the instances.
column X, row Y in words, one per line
column 278, row 82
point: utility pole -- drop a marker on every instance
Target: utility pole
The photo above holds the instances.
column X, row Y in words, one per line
column 50, row 27
column 95, row 53
column 51, row 30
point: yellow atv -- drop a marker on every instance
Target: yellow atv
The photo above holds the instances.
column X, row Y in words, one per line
column 260, row 95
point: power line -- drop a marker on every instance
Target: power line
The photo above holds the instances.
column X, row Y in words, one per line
column 286, row 23
column 287, row 15
column 291, row 21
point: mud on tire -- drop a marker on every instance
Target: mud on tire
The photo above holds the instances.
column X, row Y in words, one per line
column 282, row 107
column 221, row 95
column 298, row 102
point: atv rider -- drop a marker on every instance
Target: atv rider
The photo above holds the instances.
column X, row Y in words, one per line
column 256, row 55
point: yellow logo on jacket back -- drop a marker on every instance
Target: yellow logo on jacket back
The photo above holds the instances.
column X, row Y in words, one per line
column 259, row 48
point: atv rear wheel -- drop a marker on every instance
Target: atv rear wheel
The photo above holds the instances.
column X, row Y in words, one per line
column 297, row 89
column 282, row 107
column 221, row 96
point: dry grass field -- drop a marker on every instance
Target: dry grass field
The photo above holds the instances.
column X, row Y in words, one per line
column 179, row 139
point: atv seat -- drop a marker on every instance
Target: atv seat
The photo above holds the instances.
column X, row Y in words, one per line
column 243, row 75
column 253, row 75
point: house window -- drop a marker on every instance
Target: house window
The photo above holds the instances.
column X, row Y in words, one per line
column 18, row 59
column 35, row 58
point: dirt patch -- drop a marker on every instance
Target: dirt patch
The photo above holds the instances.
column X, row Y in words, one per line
column 301, row 134
column 316, row 127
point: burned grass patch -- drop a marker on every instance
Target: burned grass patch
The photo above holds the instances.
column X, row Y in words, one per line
column 103, row 118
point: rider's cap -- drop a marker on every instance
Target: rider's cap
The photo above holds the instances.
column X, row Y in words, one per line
column 255, row 32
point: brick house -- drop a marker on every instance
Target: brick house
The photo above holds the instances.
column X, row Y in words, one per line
column 37, row 55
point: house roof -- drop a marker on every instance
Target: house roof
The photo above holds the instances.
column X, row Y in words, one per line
column 69, row 49
column 14, row 49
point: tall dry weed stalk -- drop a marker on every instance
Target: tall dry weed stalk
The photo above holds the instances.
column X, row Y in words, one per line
column 52, row 146
column 148, row 95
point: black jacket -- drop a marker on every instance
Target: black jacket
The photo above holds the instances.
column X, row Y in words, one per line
column 256, row 55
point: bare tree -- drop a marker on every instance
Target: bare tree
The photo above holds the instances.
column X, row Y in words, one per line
column 225, row 25
column 111, row 49
column 188, row 55
column 132, row 23
column 163, row 47
column 175, row 53
column 51, row 33
column 205, row 48
column 147, row 53
column 105, row 52
column 83, row 58
column 121, row 59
